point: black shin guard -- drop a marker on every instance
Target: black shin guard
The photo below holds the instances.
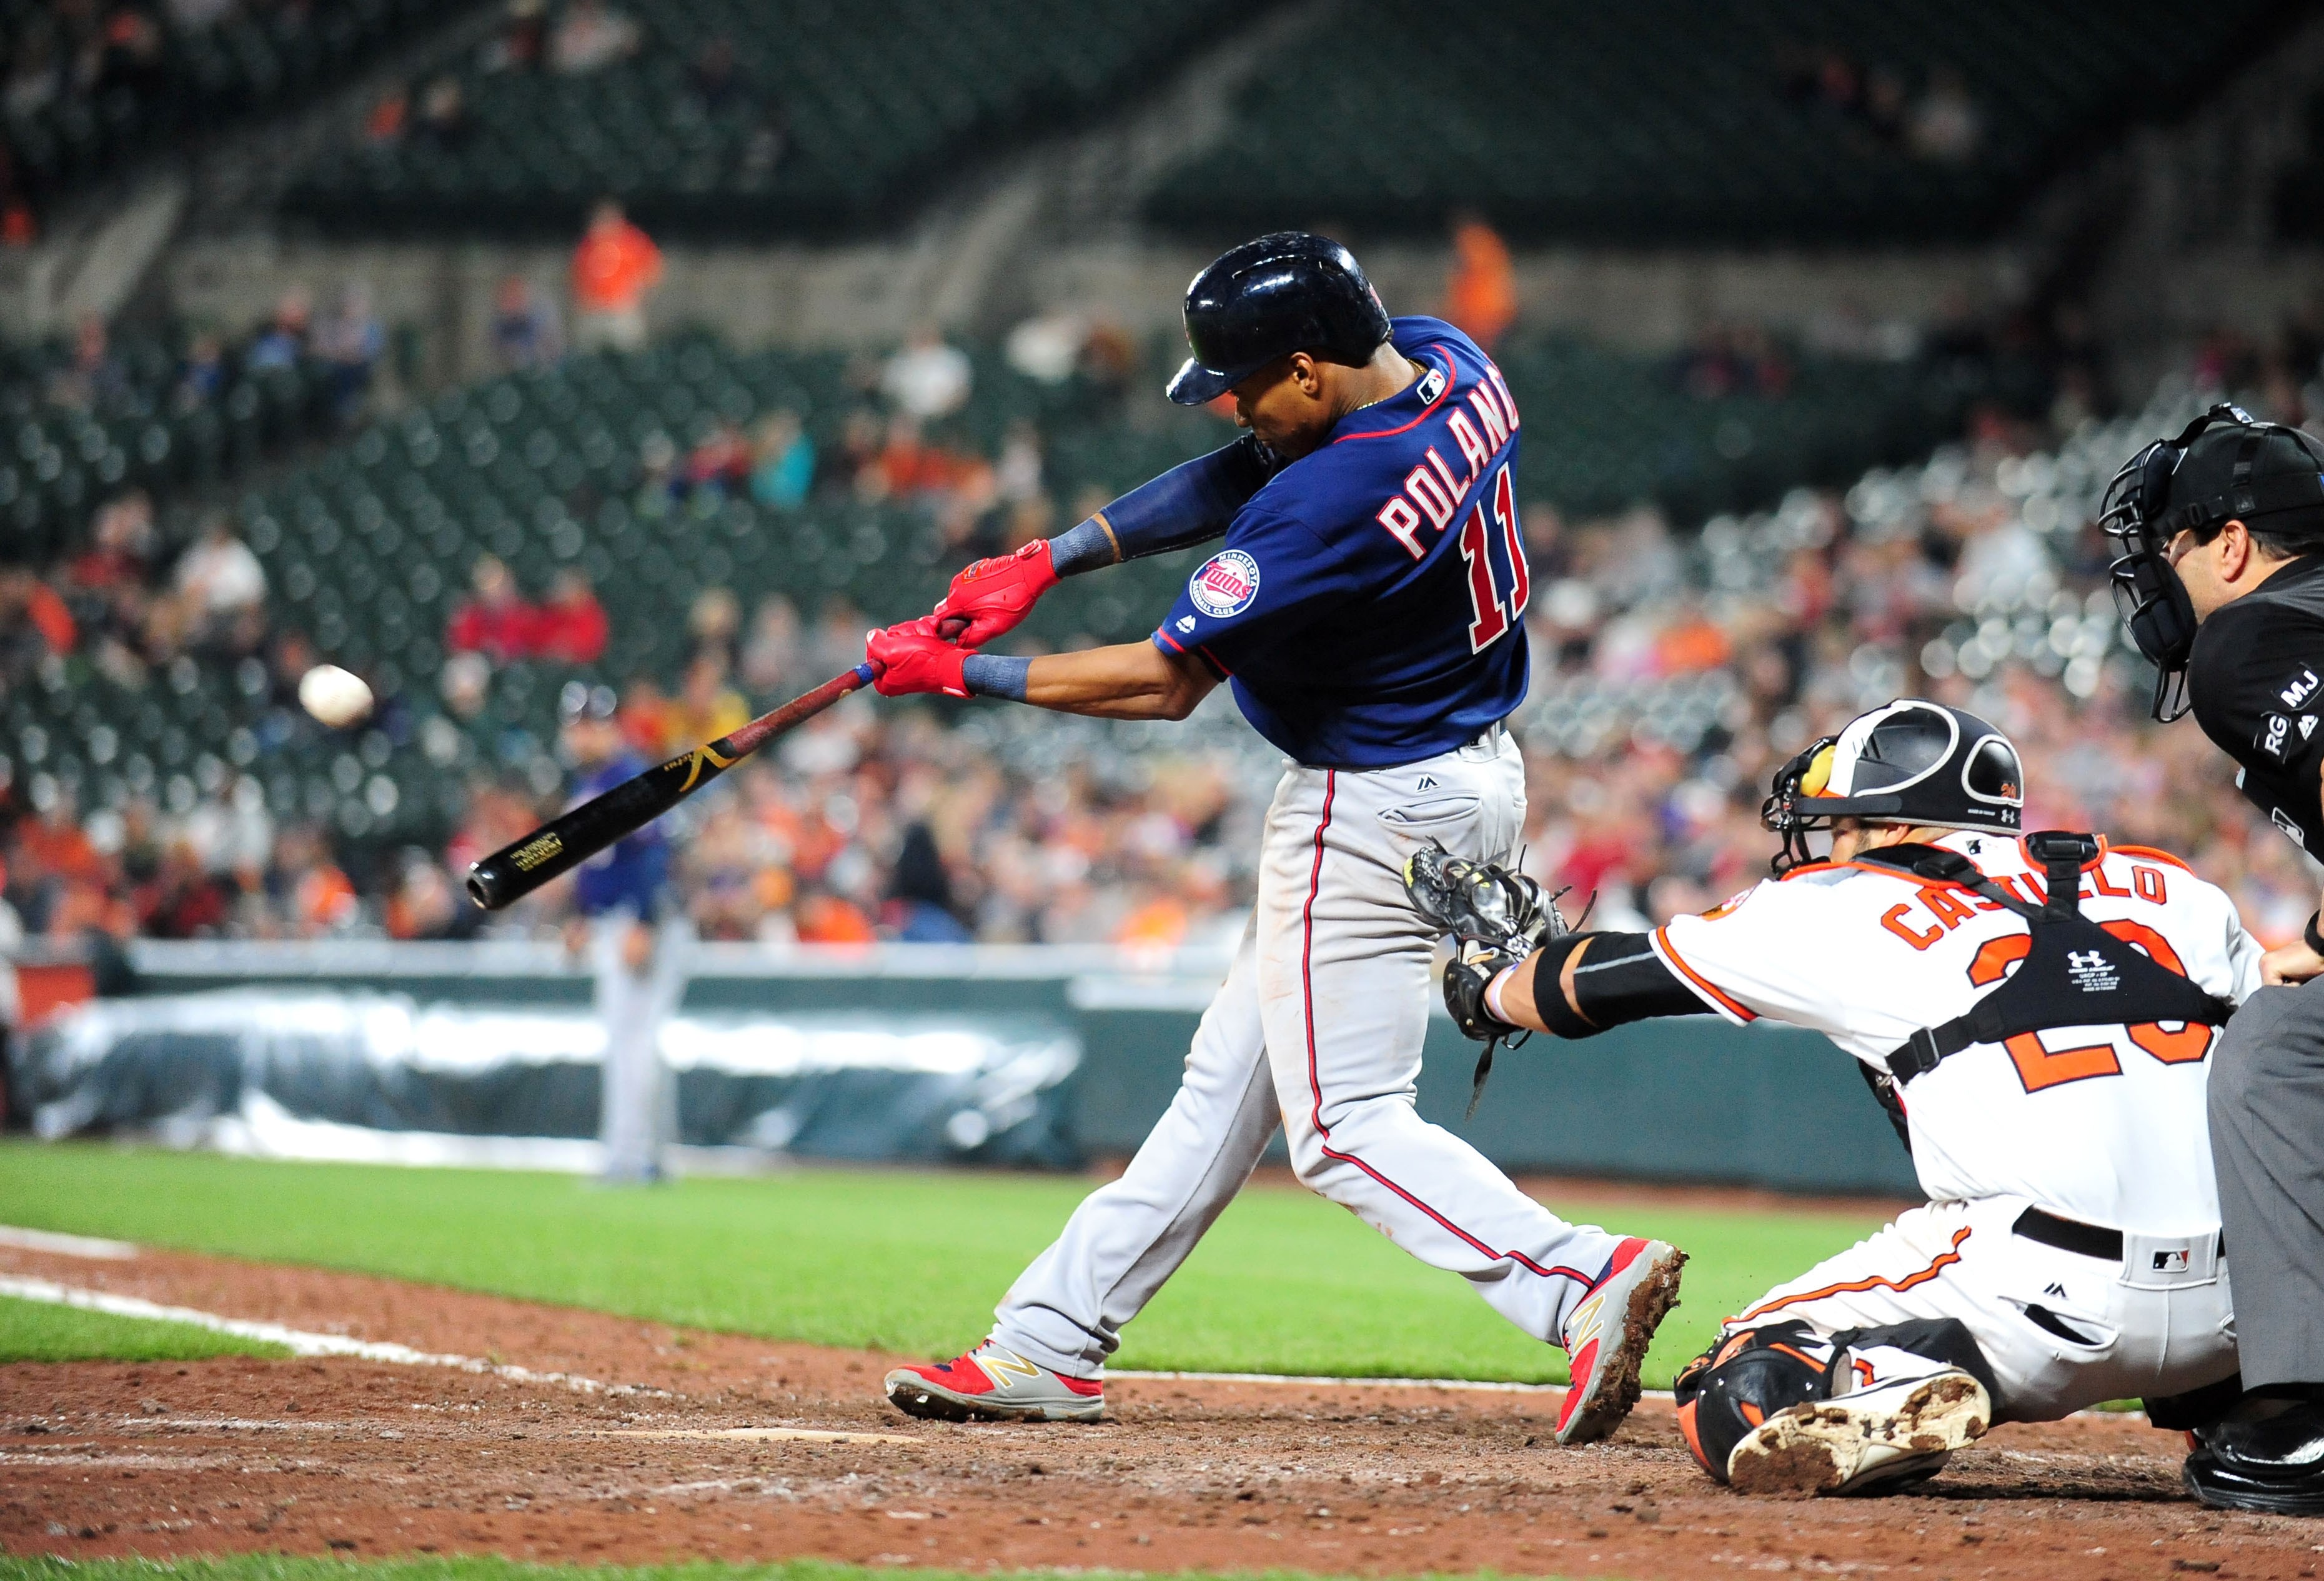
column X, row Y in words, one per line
column 1750, row 1375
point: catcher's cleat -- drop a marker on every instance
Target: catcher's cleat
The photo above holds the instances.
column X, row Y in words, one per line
column 989, row 1385
column 1900, row 1431
column 1607, row 1334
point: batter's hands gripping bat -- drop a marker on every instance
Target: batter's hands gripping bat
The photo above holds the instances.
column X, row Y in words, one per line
column 515, row 870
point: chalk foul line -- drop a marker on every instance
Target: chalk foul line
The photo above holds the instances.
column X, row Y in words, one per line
column 299, row 1342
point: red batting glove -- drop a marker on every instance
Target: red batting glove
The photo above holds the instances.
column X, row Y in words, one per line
column 911, row 658
column 993, row 594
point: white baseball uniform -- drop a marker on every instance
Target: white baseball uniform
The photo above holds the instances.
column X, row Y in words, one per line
column 1319, row 1028
column 2102, row 1124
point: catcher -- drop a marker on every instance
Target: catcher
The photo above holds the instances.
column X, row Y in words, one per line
column 2034, row 1013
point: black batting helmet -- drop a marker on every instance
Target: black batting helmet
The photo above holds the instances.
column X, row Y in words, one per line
column 1910, row 762
column 1288, row 291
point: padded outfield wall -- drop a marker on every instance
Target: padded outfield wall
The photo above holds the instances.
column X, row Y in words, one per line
column 1003, row 1056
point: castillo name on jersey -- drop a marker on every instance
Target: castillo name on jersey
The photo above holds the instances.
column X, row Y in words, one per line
column 1368, row 602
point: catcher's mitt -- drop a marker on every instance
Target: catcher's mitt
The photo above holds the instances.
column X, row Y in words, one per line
column 1496, row 917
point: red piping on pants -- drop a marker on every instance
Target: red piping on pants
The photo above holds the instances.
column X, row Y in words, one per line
column 1316, row 1086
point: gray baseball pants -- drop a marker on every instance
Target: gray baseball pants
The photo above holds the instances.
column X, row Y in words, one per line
column 2266, row 1098
column 1318, row 1030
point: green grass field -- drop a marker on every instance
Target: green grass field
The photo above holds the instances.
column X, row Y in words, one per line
column 36, row 1331
column 900, row 1260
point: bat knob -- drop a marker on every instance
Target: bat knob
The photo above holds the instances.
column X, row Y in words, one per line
column 484, row 887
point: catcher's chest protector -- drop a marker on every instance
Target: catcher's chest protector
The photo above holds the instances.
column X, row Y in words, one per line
column 2074, row 973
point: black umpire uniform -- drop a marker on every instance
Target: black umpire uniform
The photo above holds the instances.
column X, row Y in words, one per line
column 2222, row 583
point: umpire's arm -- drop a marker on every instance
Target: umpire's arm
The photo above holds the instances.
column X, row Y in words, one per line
column 2295, row 962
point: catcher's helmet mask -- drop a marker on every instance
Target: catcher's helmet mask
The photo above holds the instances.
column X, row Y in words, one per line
column 2138, row 514
column 1910, row 762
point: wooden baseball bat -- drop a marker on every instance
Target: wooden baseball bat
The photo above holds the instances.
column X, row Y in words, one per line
column 516, row 870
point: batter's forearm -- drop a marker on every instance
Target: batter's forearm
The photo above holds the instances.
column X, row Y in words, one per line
column 1190, row 503
column 1131, row 680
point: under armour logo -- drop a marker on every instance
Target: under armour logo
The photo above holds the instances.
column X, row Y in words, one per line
column 2092, row 973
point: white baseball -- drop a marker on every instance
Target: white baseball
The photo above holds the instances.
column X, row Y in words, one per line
column 335, row 695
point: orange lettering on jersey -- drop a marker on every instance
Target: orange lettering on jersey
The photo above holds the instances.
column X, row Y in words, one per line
column 2148, row 882
column 2099, row 877
column 2039, row 1067
column 1949, row 907
column 1893, row 920
column 1995, row 957
column 2139, row 936
column 2188, row 1044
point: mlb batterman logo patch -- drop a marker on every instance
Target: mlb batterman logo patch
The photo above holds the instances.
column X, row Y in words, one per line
column 1225, row 584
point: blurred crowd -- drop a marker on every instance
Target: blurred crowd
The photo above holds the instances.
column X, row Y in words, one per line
column 1674, row 671
column 1929, row 115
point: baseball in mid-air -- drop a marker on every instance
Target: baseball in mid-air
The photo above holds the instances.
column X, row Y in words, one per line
column 337, row 696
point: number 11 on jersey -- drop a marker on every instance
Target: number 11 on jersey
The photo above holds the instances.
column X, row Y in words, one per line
column 1499, row 584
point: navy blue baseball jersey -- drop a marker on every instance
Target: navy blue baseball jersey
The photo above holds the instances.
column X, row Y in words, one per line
column 1368, row 602
column 629, row 874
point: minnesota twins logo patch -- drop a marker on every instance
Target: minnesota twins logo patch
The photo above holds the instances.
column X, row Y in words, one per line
column 1225, row 584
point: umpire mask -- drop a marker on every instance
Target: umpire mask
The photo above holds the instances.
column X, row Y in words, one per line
column 2225, row 466
column 1910, row 762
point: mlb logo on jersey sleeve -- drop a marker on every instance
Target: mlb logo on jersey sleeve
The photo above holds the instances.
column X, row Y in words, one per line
column 1224, row 584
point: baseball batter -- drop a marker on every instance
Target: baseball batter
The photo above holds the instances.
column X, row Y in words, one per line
column 1366, row 609
column 2036, row 1013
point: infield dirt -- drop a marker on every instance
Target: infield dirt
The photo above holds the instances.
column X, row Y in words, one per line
column 370, row 1459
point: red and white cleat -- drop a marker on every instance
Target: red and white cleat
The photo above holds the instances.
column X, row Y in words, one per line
column 989, row 1385
column 1606, row 1334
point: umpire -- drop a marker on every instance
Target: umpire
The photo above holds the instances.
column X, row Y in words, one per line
column 2221, row 581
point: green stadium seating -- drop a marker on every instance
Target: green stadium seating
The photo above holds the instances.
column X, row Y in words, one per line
column 871, row 103
column 57, row 463
column 367, row 546
column 1668, row 123
column 255, row 60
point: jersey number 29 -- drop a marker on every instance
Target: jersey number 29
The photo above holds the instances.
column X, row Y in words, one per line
column 1494, row 552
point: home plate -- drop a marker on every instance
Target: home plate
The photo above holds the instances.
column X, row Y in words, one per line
column 795, row 1435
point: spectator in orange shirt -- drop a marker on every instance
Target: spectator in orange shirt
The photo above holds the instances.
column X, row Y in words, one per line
column 613, row 268
column 1692, row 642
column 1480, row 297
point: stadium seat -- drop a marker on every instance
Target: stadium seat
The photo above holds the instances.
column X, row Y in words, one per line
column 1684, row 124
column 861, row 107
